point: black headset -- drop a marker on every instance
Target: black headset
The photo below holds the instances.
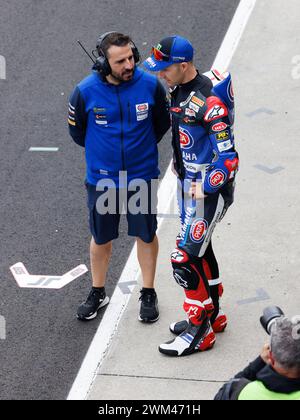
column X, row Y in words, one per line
column 102, row 65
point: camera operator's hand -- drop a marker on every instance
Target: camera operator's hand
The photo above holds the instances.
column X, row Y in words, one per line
column 265, row 354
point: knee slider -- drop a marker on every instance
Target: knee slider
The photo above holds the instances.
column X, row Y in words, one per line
column 183, row 272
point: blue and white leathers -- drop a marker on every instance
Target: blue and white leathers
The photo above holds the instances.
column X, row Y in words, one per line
column 206, row 136
column 204, row 151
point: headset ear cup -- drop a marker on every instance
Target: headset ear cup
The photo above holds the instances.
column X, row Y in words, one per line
column 102, row 66
column 106, row 67
column 136, row 55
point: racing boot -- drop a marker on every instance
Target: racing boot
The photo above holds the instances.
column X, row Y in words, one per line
column 218, row 325
column 193, row 339
column 218, row 318
column 220, row 322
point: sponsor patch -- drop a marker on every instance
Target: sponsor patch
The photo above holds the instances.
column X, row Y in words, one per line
column 184, row 103
column 219, row 126
column 141, row 117
column 192, row 167
column 186, row 139
column 180, row 281
column 151, row 62
column 190, row 112
column 193, row 312
column 198, row 101
column 224, row 135
column 198, row 230
column 194, row 107
column 215, row 112
column 188, row 120
column 176, row 110
column 103, row 172
column 217, row 178
column 100, row 115
column 142, row 107
column 142, row 111
column 226, row 145
column 179, row 256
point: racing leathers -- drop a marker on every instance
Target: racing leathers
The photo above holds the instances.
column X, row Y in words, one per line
column 204, row 151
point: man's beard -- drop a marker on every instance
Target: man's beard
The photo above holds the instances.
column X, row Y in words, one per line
column 120, row 78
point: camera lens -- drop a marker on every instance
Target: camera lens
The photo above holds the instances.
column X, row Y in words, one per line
column 270, row 314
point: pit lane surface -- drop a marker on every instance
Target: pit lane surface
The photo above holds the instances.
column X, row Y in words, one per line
column 43, row 216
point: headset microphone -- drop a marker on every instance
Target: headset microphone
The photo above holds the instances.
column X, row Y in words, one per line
column 95, row 60
column 89, row 55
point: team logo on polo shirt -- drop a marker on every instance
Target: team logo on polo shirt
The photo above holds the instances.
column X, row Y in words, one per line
column 198, row 230
column 186, row 139
column 100, row 115
column 142, row 111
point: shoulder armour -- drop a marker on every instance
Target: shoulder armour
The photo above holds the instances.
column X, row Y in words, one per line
column 222, row 87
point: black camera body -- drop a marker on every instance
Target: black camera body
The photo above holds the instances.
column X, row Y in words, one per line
column 270, row 314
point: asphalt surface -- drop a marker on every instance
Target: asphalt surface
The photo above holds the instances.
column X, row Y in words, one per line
column 43, row 216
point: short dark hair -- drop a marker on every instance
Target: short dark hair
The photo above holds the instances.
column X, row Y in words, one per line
column 116, row 38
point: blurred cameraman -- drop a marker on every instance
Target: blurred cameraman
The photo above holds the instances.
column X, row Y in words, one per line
column 275, row 374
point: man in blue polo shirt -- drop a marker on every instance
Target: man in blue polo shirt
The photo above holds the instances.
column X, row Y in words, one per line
column 119, row 113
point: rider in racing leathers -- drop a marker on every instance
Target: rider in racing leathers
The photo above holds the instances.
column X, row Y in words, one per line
column 206, row 162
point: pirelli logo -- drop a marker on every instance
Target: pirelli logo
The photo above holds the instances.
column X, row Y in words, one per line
column 198, row 101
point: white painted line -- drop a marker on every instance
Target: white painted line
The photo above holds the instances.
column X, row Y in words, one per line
column 2, row 328
column 233, row 35
column 43, row 149
column 118, row 303
column 2, row 67
column 24, row 279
